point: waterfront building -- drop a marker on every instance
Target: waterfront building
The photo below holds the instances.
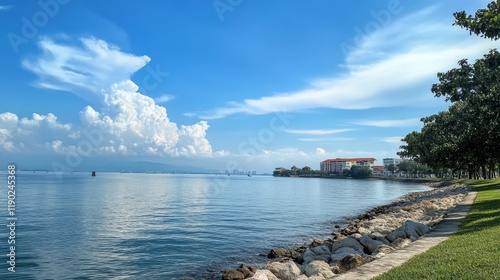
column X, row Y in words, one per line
column 378, row 170
column 280, row 169
column 339, row 164
column 389, row 161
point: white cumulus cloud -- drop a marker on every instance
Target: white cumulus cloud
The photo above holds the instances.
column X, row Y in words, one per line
column 132, row 123
column 31, row 134
column 125, row 122
column 320, row 151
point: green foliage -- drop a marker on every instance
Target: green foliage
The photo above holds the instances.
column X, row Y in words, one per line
column 414, row 169
column 304, row 172
column 346, row 172
column 391, row 168
column 360, row 172
column 485, row 23
column 466, row 136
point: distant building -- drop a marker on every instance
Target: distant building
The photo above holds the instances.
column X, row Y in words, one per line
column 306, row 168
column 280, row 169
column 294, row 168
column 389, row 161
column 378, row 170
column 339, row 164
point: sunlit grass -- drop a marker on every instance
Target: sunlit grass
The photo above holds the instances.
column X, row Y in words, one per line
column 471, row 253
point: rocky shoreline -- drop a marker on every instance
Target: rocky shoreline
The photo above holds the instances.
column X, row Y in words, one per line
column 364, row 238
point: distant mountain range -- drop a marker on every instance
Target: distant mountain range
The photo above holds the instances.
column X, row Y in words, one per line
column 146, row 166
column 108, row 165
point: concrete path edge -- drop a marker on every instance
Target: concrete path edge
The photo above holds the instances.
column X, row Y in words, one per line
column 440, row 233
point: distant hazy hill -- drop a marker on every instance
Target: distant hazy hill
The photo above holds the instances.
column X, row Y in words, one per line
column 99, row 164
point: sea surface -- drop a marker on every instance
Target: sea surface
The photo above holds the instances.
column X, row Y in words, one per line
column 170, row 226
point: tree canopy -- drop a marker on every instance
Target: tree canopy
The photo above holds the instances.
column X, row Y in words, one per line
column 485, row 23
column 466, row 136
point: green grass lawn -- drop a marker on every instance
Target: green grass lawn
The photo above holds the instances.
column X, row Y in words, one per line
column 471, row 253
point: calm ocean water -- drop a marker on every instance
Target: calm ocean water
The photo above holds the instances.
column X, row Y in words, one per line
column 163, row 226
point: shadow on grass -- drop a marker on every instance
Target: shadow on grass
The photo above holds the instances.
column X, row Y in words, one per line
column 484, row 185
column 485, row 213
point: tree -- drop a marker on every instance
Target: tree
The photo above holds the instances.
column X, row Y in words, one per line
column 391, row 167
column 346, row 172
column 360, row 172
column 486, row 22
column 466, row 136
column 474, row 90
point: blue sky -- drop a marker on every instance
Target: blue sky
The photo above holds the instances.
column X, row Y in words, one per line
column 222, row 84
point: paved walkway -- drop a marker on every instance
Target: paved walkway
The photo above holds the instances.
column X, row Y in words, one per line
column 440, row 233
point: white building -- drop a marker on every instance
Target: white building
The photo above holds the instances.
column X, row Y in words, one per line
column 389, row 161
column 339, row 164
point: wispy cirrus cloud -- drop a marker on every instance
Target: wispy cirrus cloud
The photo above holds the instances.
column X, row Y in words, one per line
column 329, row 139
column 389, row 123
column 392, row 67
column 392, row 140
column 317, row 131
column 84, row 67
column 164, row 98
column 5, row 8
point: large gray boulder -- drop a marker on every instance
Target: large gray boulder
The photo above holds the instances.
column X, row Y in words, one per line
column 284, row 271
column 309, row 256
column 316, row 268
column 321, row 250
column 414, row 230
column 348, row 242
column 396, row 234
column 343, row 252
column 370, row 244
column 380, row 237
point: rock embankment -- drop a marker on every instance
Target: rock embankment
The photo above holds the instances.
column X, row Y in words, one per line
column 365, row 238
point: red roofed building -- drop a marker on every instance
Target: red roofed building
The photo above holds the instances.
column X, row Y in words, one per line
column 378, row 170
column 339, row 164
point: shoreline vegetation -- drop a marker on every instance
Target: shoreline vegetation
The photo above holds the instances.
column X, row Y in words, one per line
column 464, row 138
column 364, row 238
